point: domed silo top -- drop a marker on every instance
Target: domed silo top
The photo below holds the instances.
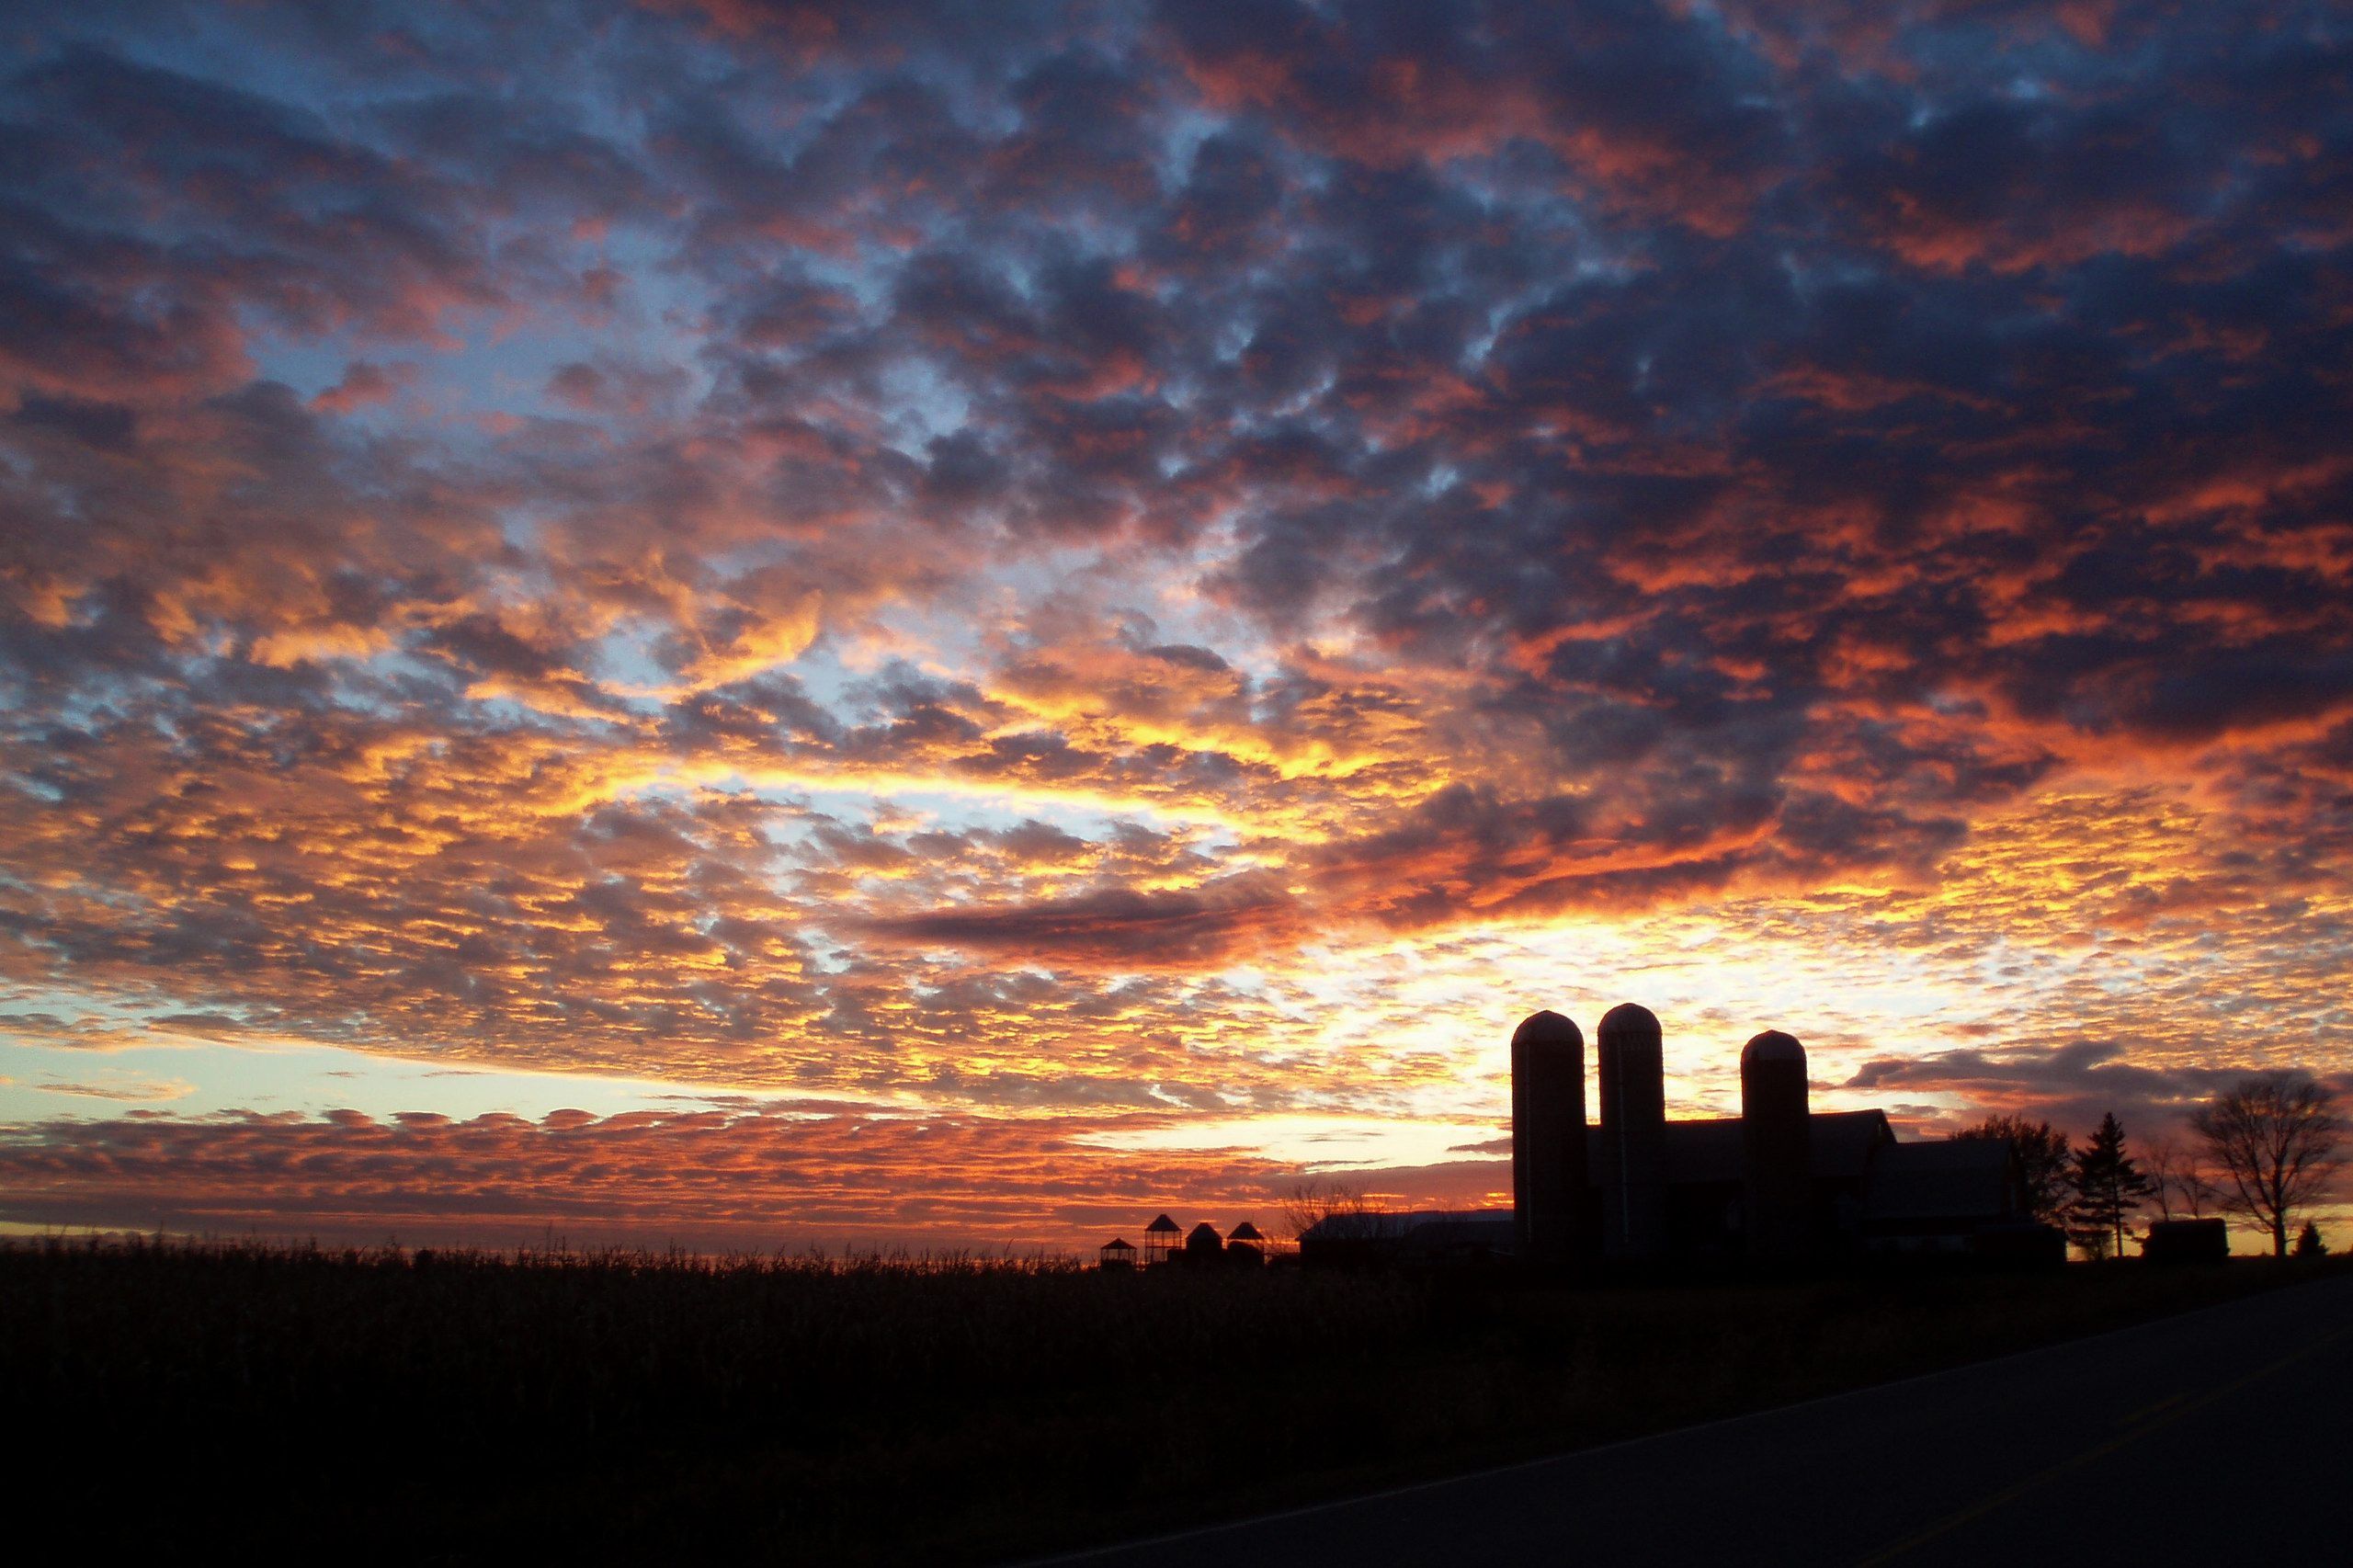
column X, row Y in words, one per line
column 1772, row 1046
column 1547, row 1028
column 1631, row 1022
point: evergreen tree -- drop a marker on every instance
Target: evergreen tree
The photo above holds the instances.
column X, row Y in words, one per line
column 2108, row 1187
column 2308, row 1242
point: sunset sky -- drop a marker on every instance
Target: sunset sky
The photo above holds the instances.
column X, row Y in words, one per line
column 768, row 623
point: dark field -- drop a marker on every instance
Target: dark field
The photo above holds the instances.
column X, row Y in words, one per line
column 447, row 1406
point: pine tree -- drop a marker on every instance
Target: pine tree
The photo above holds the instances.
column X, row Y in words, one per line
column 2108, row 1187
column 2308, row 1242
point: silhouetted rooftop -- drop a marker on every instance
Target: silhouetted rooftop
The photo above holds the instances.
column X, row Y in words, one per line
column 1949, row 1179
column 1492, row 1227
column 1716, row 1150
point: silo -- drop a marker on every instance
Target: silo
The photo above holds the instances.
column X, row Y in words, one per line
column 1633, row 1133
column 1547, row 1136
column 1776, row 1136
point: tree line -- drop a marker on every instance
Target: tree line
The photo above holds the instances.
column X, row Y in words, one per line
column 2263, row 1149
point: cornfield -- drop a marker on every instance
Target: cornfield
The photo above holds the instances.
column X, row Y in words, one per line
column 464, row 1406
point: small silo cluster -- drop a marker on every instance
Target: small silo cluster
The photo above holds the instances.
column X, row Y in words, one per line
column 1574, row 1201
column 1165, row 1244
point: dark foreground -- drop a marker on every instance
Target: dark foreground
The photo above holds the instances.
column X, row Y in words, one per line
column 2222, row 1435
column 203, row 1400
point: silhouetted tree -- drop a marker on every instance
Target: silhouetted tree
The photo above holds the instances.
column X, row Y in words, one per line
column 2044, row 1159
column 2179, row 1181
column 2108, row 1187
column 2275, row 1139
column 2308, row 1242
column 1311, row 1202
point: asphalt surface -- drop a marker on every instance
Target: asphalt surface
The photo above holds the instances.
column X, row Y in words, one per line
column 2223, row 1436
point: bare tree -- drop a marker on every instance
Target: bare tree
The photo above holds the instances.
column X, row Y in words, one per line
column 2044, row 1159
column 1312, row 1201
column 2180, row 1182
column 2275, row 1139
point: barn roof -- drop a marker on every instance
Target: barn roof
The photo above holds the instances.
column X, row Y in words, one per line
column 1943, row 1180
column 1949, row 1179
column 1423, row 1226
column 1713, row 1150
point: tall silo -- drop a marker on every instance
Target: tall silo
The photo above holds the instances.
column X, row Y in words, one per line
column 1548, row 1157
column 1633, row 1133
column 1777, row 1139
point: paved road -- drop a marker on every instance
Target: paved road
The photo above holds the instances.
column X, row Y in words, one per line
column 2223, row 1436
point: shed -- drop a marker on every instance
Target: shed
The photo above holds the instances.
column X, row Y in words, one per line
column 2187, row 1241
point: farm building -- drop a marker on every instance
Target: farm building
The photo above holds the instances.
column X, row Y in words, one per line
column 1168, row 1245
column 1779, row 1183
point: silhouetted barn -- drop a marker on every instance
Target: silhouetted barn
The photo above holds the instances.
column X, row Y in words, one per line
column 1939, row 1197
column 1446, row 1239
column 1705, row 1183
column 1782, row 1183
column 1779, row 1183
